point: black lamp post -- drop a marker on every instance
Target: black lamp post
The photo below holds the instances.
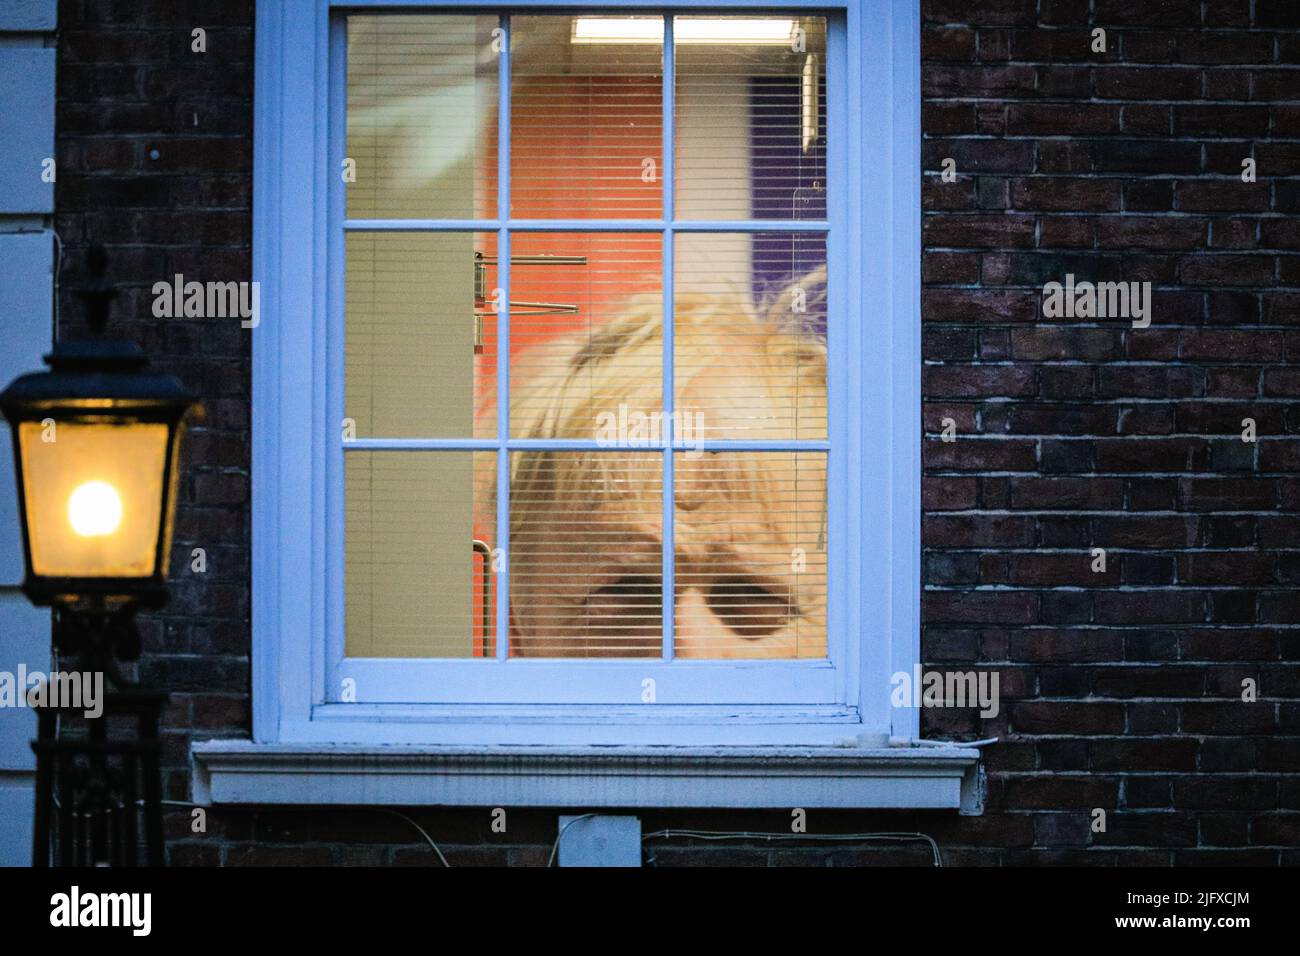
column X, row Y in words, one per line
column 96, row 445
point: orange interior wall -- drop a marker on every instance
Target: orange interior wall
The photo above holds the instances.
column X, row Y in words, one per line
column 577, row 152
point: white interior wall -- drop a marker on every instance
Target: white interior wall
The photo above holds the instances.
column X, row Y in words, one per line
column 713, row 135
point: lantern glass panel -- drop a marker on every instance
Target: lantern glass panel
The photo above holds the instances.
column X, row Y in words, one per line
column 94, row 497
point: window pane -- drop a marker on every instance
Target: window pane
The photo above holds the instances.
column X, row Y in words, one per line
column 586, row 104
column 422, row 116
column 585, row 316
column 750, row 117
column 418, row 576
column 750, row 315
column 585, row 554
column 750, row 532
column 421, row 334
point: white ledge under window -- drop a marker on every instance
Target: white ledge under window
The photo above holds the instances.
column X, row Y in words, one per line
column 232, row 772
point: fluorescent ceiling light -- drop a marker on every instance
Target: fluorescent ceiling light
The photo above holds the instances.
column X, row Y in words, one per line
column 774, row 32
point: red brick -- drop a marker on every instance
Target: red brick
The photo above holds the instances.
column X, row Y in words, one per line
column 1216, row 196
column 945, row 268
column 956, row 43
column 948, row 493
column 1063, row 343
column 1160, row 13
column 966, row 381
column 979, row 231
column 976, row 531
column 1150, row 232
column 990, row 13
column 1216, row 47
column 978, row 607
column 1234, row 270
column 1226, row 494
column 1220, row 121
column 979, row 454
column 1149, row 607
column 1215, row 345
column 1076, row 195
column 1064, row 717
column 942, row 80
column 1050, row 570
column 1062, row 119
column 1136, row 83
column 1054, row 494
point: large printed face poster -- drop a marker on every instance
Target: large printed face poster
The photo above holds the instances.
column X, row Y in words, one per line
column 585, row 307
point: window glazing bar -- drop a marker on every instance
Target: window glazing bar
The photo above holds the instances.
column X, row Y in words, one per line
column 503, row 342
column 667, row 583
column 581, row 444
column 587, row 225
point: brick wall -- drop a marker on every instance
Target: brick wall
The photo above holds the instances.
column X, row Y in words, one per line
column 1074, row 434
column 1121, row 689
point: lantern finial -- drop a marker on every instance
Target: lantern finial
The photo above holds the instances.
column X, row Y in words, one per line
column 97, row 292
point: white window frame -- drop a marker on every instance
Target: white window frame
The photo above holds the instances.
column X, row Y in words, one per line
column 308, row 746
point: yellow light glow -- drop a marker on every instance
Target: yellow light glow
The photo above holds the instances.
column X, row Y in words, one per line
column 126, row 530
column 744, row 30
column 94, row 509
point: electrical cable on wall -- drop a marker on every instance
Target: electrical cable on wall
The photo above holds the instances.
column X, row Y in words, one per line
column 788, row 837
column 555, row 848
column 396, row 813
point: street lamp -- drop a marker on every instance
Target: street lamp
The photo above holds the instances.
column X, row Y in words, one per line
column 96, row 442
column 95, row 446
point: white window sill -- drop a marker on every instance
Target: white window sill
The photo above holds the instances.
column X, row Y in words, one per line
column 232, row 772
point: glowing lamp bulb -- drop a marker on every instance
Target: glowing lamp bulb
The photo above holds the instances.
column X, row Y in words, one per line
column 94, row 509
